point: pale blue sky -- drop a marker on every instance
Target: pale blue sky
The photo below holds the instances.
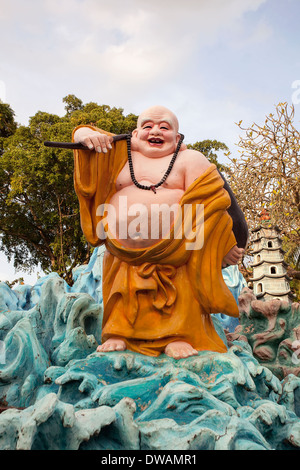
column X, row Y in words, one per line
column 213, row 62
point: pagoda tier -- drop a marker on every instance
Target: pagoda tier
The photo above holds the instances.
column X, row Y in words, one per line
column 278, row 261
column 269, row 248
column 273, row 276
column 267, row 226
column 270, row 295
column 270, row 279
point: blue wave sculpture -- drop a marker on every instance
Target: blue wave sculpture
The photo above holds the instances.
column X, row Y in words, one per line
column 64, row 395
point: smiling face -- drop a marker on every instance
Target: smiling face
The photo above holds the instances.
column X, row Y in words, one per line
column 157, row 133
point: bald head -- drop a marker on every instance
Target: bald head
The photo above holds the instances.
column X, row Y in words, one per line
column 158, row 113
column 158, row 122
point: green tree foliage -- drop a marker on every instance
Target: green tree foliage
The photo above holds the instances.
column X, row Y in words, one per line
column 7, row 123
column 72, row 104
column 209, row 149
column 7, row 120
column 39, row 211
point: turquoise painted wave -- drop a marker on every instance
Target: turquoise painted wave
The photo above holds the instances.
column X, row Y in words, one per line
column 67, row 396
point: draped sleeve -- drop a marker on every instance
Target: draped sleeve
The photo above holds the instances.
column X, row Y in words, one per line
column 205, row 265
column 95, row 176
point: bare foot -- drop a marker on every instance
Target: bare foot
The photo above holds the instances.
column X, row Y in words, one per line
column 112, row 344
column 180, row 349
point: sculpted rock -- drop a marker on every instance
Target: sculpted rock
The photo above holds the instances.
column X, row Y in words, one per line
column 71, row 397
column 272, row 329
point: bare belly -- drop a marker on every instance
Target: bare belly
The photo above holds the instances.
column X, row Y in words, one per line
column 139, row 218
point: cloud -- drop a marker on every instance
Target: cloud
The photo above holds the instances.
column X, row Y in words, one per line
column 140, row 40
column 2, row 91
column 146, row 41
column 127, row 54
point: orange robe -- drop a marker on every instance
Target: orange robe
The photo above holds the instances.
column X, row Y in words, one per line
column 156, row 295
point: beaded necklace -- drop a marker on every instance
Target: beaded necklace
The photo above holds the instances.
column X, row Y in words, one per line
column 151, row 187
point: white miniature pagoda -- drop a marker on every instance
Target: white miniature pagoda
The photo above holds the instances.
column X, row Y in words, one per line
column 270, row 279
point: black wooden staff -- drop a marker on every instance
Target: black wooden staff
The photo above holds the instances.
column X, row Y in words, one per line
column 75, row 146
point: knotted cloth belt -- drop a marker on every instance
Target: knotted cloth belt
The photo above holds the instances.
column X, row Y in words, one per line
column 159, row 281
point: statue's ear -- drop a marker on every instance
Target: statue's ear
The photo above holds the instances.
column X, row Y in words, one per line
column 134, row 142
column 183, row 145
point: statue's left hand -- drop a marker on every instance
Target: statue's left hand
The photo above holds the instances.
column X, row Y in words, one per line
column 234, row 256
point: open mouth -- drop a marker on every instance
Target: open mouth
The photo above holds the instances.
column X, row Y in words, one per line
column 155, row 141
